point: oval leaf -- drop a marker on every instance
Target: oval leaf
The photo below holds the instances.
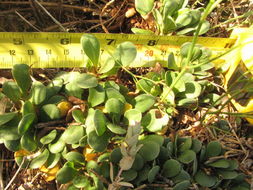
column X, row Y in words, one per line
column 25, row 123
column 21, row 74
column 6, row 117
column 125, row 53
column 38, row 161
column 96, row 95
column 49, row 137
column 72, row 134
column 99, row 122
column 171, row 168
column 149, row 151
column 91, row 47
column 66, row 174
column 39, row 93
column 11, row 90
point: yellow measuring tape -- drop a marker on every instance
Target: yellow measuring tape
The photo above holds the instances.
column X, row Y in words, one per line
column 55, row 50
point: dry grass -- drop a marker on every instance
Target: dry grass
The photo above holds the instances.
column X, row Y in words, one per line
column 109, row 16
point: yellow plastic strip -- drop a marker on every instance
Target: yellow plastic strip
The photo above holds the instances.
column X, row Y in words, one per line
column 57, row 50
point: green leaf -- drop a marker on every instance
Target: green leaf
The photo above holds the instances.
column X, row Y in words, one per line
column 155, row 138
column 111, row 84
column 149, row 151
column 213, row 149
column 221, row 163
column 129, row 175
column 169, row 8
column 186, row 30
column 227, row 174
column 73, row 187
column 132, row 115
column 125, row 53
column 183, row 19
column 164, row 153
column 28, row 142
column 11, row 90
column 21, row 74
column 187, row 156
column 6, row 117
column 75, row 157
column 196, row 53
column 116, row 129
column 155, row 120
column 56, row 146
column 107, row 66
column 49, row 137
column 233, row 165
column 144, row 85
column 196, row 145
column 205, row 180
column 172, row 62
column 38, row 161
column 141, row 31
column 144, row 102
column 83, row 141
column 116, row 155
column 49, row 112
column 99, row 122
column 170, row 76
column 86, row 81
column 71, row 89
column 81, row 181
column 143, row 174
column 183, row 185
column 98, row 143
column 12, row 145
column 89, row 123
column 52, row 160
column 115, row 108
column 138, row 162
column 96, row 95
column 27, row 108
column 204, row 28
column 9, row 132
column 66, row 174
column 25, row 123
column 192, row 90
column 152, row 173
column 56, row 99
column 171, row 168
column 113, row 93
column 91, row 47
column 78, row 116
column 39, row 93
column 168, row 95
column 190, row 103
column 72, row 134
column 54, row 87
column 212, row 99
column 144, row 7
column 184, row 144
column 196, row 15
column 92, row 165
column 183, row 175
column 169, row 25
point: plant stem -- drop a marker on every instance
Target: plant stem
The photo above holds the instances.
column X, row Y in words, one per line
column 211, row 5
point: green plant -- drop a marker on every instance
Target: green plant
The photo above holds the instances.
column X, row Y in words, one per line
column 123, row 55
column 184, row 162
column 171, row 16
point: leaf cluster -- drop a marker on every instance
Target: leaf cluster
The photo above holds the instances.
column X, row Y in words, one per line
column 171, row 16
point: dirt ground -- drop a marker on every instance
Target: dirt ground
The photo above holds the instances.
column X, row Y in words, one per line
column 111, row 16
